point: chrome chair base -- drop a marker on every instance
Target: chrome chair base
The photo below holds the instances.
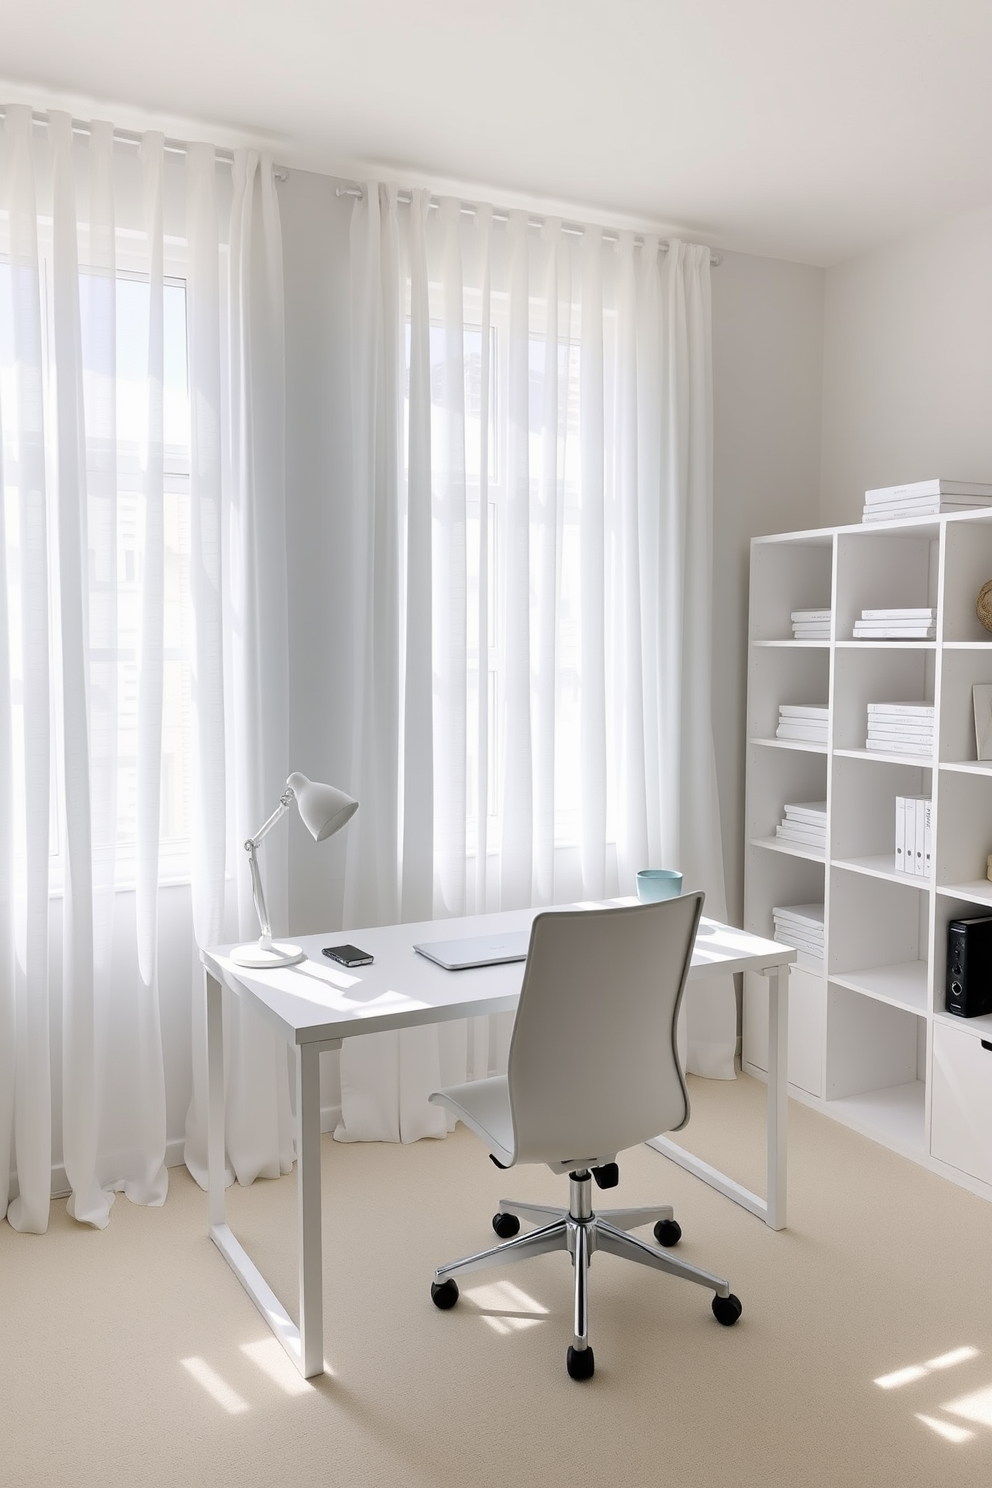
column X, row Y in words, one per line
column 581, row 1232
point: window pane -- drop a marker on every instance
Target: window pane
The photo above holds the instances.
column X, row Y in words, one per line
column 127, row 379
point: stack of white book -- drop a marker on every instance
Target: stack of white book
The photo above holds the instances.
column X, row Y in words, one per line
column 806, row 723
column 897, row 625
column 811, row 625
column 801, row 926
column 900, row 728
column 924, row 499
column 913, row 844
column 804, row 822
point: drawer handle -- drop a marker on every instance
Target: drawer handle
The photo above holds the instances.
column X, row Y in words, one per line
column 987, row 1044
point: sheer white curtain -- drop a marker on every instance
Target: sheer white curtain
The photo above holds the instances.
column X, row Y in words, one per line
column 240, row 598
column 533, row 462
column 139, row 631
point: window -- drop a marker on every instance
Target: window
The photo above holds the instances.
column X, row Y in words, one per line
column 132, row 444
column 116, row 402
column 465, row 405
column 560, row 564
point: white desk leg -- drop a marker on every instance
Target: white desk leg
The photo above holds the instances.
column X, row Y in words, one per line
column 215, row 1100
column 304, row 1345
column 308, row 1203
column 778, row 1093
column 772, row 1209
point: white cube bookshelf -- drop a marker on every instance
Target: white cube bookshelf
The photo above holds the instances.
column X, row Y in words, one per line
column 869, row 1040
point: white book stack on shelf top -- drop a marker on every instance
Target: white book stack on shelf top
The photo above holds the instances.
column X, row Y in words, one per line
column 896, row 625
column 810, row 625
column 801, row 926
column 901, row 728
column 926, row 498
column 804, row 822
column 805, row 723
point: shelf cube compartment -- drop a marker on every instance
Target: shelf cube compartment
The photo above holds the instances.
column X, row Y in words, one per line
column 863, row 826
column 781, row 676
column 964, row 833
column 949, row 907
column 787, row 575
column 863, row 675
column 967, row 566
column 875, row 1068
column 960, row 671
column 877, row 924
column 880, row 570
column 870, row 1044
column 777, row 878
column 777, row 777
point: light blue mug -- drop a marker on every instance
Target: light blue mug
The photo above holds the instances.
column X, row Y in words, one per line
column 658, row 883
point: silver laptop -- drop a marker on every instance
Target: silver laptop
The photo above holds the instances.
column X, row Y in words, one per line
column 477, row 950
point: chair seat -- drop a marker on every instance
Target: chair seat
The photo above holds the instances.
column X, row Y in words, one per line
column 484, row 1106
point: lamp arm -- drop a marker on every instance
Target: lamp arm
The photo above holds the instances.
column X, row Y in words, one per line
column 251, row 848
column 288, row 795
column 258, row 895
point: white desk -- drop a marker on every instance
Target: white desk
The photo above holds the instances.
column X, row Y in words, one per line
column 317, row 1004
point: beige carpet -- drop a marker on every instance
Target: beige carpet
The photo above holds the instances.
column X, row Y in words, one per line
column 134, row 1357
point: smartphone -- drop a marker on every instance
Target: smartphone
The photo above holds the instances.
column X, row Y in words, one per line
column 348, row 955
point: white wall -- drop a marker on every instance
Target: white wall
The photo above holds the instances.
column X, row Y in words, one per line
column 767, row 355
column 907, row 372
column 315, row 226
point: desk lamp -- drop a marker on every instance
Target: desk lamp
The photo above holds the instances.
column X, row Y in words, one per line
column 324, row 811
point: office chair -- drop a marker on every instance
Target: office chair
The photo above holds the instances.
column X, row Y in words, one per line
column 593, row 1069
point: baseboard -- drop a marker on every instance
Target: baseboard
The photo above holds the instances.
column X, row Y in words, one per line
column 60, row 1183
column 174, row 1152
column 329, row 1118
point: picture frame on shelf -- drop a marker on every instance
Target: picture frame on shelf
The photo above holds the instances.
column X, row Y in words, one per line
column 982, row 699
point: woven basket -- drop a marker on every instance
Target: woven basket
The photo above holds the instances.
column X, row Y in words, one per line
column 983, row 606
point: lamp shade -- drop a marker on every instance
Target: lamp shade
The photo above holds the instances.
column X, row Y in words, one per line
column 324, row 809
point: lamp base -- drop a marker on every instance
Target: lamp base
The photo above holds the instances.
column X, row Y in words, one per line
column 258, row 957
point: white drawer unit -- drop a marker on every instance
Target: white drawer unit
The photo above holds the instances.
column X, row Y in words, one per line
column 961, row 1124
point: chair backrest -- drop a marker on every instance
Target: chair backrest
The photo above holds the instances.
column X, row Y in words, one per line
column 593, row 1064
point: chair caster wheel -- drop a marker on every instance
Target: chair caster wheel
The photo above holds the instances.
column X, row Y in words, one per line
column 444, row 1294
column 580, row 1363
column 727, row 1310
column 667, row 1232
column 506, row 1225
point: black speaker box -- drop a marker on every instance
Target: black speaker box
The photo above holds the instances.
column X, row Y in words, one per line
column 969, row 967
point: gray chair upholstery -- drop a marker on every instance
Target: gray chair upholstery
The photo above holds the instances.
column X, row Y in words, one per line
column 593, row 1069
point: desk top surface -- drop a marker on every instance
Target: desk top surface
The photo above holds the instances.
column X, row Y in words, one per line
column 320, row 1001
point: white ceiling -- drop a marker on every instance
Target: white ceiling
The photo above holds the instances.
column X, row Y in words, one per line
column 803, row 129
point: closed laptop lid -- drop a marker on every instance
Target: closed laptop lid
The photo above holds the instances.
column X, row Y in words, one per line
column 477, row 950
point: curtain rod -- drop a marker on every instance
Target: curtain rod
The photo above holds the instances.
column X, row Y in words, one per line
column 470, row 208
column 134, row 137
column 123, row 136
